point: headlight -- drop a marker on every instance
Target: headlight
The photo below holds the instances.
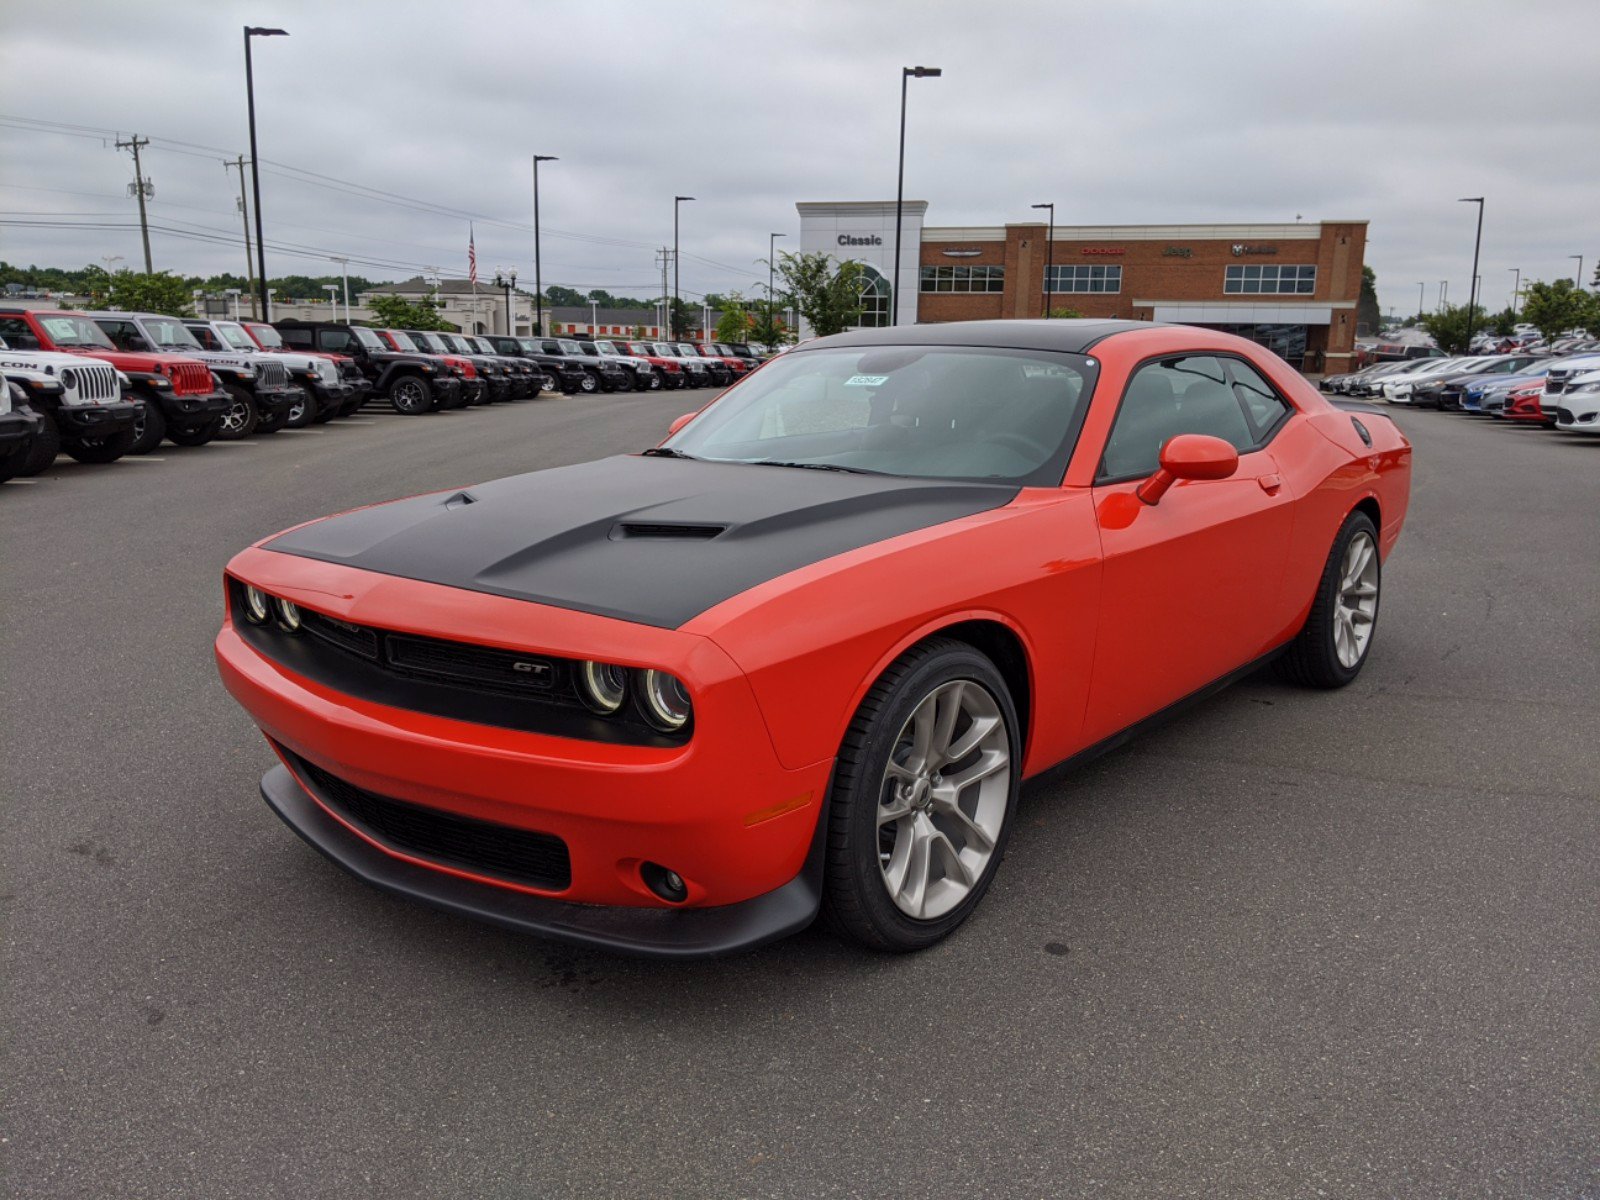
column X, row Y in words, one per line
column 288, row 616
column 666, row 701
column 603, row 686
column 69, row 378
column 160, row 382
column 257, row 605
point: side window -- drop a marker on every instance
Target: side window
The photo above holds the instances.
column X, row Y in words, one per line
column 17, row 334
column 1262, row 406
column 207, row 339
column 124, row 335
column 1164, row 399
column 296, row 337
column 337, row 340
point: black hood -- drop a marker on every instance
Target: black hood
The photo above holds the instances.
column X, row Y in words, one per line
column 650, row 540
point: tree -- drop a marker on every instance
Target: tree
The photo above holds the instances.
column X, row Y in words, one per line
column 1368, row 315
column 1554, row 308
column 682, row 320
column 828, row 296
column 1449, row 326
column 564, row 296
column 396, row 312
column 1064, row 314
column 734, row 323
column 127, row 291
column 768, row 326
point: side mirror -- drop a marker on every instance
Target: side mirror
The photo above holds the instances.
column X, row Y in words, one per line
column 681, row 422
column 1189, row 456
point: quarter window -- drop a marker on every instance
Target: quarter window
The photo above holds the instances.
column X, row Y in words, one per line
column 963, row 279
column 1270, row 279
column 1084, row 277
column 1263, row 407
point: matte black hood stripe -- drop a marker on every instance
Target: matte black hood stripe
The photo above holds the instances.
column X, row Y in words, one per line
column 569, row 537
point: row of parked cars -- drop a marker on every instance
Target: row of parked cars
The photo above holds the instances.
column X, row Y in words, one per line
column 99, row 385
column 1558, row 391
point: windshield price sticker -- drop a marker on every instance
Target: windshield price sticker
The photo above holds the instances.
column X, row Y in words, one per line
column 866, row 381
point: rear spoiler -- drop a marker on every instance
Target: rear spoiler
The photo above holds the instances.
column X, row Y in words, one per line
column 1358, row 406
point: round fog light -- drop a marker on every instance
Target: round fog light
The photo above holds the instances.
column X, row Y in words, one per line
column 666, row 701
column 603, row 686
column 289, row 616
column 257, row 605
column 665, row 883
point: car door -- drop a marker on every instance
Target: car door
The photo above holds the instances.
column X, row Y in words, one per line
column 1192, row 586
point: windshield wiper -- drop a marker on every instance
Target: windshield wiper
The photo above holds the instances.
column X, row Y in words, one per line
column 667, row 452
column 809, row 466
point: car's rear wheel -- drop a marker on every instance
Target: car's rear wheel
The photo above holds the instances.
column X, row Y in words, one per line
column 240, row 418
column 923, row 793
column 101, row 449
column 1332, row 647
column 149, row 427
column 410, row 395
column 45, row 447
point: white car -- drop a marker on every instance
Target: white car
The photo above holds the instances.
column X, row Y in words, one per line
column 1577, row 405
column 226, row 341
column 1397, row 388
column 79, row 401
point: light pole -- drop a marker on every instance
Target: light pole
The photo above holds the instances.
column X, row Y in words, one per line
column 1516, row 290
column 1422, row 302
column 344, row 275
column 1472, row 288
column 1444, row 292
column 1050, row 258
column 507, row 281
column 1579, row 279
column 235, row 293
column 594, row 317
column 333, row 296
column 251, row 31
column 538, row 280
column 672, row 317
column 772, row 246
column 906, row 74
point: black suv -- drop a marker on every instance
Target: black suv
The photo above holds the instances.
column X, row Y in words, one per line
column 600, row 375
column 560, row 374
column 412, row 383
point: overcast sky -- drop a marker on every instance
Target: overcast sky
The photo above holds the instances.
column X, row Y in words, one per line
column 1120, row 113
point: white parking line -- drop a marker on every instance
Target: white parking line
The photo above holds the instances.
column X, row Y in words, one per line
column 23, row 482
column 141, row 458
column 236, row 445
column 357, row 421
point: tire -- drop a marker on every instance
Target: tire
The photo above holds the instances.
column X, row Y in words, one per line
column 1328, row 651
column 241, row 419
column 878, row 764
column 303, row 411
column 101, row 450
column 272, row 422
column 45, row 447
column 589, row 384
column 11, row 465
column 148, row 429
column 197, row 436
column 410, row 395
column 655, row 381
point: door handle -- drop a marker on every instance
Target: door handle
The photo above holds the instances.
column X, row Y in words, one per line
column 1270, row 484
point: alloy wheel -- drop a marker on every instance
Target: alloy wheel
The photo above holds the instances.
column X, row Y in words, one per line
column 1357, row 607
column 943, row 799
column 235, row 419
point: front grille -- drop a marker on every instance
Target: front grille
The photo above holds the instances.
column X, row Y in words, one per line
column 349, row 370
column 190, row 379
column 457, row 662
column 98, row 384
column 1564, row 415
column 342, row 634
column 487, row 848
column 1555, row 382
column 271, row 374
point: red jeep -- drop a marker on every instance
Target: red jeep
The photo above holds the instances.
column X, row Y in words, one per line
column 181, row 399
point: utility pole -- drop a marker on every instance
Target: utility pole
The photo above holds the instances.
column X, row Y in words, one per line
column 244, row 212
column 665, row 256
column 134, row 143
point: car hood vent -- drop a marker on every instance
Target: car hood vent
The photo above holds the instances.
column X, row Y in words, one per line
column 688, row 533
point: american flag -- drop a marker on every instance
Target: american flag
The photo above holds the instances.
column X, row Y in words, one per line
column 472, row 257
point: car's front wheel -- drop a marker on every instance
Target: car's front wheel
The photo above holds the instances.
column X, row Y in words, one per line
column 149, row 427
column 410, row 395
column 1332, row 647
column 923, row 794
column 240, row 418
column 589, row 384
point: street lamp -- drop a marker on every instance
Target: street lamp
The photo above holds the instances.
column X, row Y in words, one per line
column 1444, row 292
column 1579, row 279
column 538, row 280
column 1422, row 302
column 344, row 274
column 1472, row 288
column 251, row 31
column 1516, row 290
column 906, row 74
column 672, row 316
column 333, row 296
column 772, row 245
column 507, row 281
column 235, row 293
column 594, row 318
column 1050, row 259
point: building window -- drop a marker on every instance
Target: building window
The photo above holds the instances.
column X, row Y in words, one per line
column 874, row 299
column 963, row 279
column 1270, row 279
column 1099, row 277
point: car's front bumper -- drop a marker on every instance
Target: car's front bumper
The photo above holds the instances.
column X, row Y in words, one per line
column 193, row 409
column 1579, row 415
column 96, row 420
column 17, row 431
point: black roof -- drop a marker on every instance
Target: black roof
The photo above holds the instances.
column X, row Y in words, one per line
column 1069, row 335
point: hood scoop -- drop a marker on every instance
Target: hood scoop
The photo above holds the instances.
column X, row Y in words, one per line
column 661, row 530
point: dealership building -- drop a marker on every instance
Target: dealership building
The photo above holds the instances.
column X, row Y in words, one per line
column 1293, row 287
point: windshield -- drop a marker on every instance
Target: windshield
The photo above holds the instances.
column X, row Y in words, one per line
column 267, row 336
column 426, row 342
column 608, row 348
column 401, row 341
column 367, row 338
column 531, row 346
column 75, row 331
column 169, row 333
column 569, row 347
column 947, row 412
column 687, row 350
column 235, row 336
column 481, row 345
column 665, row 351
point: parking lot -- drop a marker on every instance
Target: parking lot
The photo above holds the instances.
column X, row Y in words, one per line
column 1294, row 944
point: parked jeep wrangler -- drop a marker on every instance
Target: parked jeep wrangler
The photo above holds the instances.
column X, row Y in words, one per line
column 19, row 430
column 670, row 369
column 472, row 386
column 79, row 402
column 696, row 371
column 527, row 380
column 409, row 382
column 560, row 374
column 357, row 386
column 313, row 376
column 181, row 399
column 601, row 374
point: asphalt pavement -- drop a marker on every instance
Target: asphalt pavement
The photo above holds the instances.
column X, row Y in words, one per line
column 1294, row 944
